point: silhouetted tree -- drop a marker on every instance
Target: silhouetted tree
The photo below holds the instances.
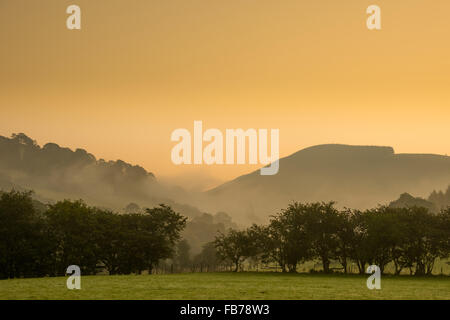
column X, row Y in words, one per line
column 72, row 227
column 234, row 246
column 24, row 245
column 209, row 257
column 182, row 257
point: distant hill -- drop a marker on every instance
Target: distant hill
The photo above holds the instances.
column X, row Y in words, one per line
column 440, row 199
column 437, row 201
column 354, row 176
column 55, row 172
column 407, row 201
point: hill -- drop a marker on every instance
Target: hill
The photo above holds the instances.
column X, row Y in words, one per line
column 354, row 176
column 55, row 173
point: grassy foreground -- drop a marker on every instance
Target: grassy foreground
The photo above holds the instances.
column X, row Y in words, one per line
column 228, row 286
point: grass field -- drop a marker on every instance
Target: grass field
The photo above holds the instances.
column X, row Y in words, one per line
column 228, row 286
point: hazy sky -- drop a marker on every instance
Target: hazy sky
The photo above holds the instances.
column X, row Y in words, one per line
column 139, row 69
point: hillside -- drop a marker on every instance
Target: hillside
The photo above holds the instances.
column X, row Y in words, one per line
column 354, row 176
column 55, row 173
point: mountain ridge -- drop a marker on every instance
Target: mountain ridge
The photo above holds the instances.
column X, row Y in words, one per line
column 354, row 176
column 57, row 173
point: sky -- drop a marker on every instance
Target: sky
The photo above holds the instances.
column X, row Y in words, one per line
column 139, row 69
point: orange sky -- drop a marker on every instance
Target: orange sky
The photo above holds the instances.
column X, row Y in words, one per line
column 139, row 69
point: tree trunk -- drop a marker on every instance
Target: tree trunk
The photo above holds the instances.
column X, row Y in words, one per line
column 326, row 264
column 420, row 269
column 344, row 265
column 381, row 266
column 398, row 268
column 236, row 264
column 292, row 268
column 361, row 267
column 429, row 269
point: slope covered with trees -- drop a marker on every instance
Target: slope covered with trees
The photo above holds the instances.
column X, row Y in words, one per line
column 57, row 173
column 354, row 176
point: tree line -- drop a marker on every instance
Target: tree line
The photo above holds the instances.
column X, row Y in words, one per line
column 37, row 243
column 410, row 238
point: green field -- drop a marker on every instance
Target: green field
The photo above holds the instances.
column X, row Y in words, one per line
column 228, row 286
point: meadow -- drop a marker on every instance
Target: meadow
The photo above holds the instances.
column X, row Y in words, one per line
column 228, row 286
